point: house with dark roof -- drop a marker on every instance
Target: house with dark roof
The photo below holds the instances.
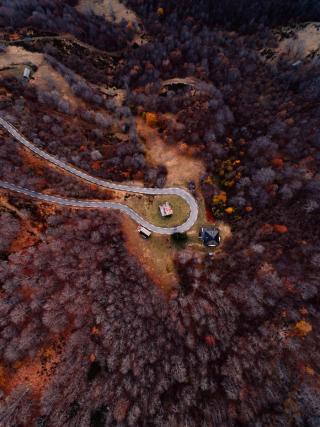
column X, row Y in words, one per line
column 210, row 236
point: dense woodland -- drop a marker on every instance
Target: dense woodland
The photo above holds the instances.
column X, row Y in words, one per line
column 238, row 346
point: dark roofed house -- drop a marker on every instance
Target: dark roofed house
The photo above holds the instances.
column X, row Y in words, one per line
column 210, row 236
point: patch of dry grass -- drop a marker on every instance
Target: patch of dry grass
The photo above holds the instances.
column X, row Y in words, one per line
column 109, row 9
column 181, row 167
column 156, row 255
column 148, row 208
column 14, row 60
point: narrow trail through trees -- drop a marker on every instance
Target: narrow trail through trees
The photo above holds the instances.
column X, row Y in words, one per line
column 193, row 205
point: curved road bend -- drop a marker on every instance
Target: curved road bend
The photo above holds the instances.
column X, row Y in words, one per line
column 185, row 195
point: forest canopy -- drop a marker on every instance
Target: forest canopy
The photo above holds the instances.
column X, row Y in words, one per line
column 236, row 344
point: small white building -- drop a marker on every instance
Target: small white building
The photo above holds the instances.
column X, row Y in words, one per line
column 27, row 73
column 145, row 233
column 297, row 64
column 166, row 209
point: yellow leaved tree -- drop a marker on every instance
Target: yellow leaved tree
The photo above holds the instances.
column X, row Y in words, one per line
column 302, row 328
column 150, row 118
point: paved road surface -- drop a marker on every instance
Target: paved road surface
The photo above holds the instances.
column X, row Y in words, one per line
column 193, row 205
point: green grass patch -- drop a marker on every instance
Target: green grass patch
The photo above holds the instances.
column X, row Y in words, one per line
column 148, row 208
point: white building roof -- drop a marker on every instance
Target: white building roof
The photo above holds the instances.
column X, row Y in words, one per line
column 27, row 73
column 166, row 209
column 144, row 231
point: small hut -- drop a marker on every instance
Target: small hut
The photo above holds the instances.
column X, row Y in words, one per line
column 145, row 233
column 27, row 73
column 166, row 209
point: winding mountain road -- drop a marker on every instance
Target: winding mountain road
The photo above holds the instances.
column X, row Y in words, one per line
column 185, row 195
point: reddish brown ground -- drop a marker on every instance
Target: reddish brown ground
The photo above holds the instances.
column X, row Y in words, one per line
column 23, row 241
column 35, row 373
column 39, row 165
column 155, row 255
column 28, row 234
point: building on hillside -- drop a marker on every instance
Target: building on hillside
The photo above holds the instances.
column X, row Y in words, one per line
column 210, row 236
column 166, row 209
column 297, row 64
column 27, row 73
column 145, row 233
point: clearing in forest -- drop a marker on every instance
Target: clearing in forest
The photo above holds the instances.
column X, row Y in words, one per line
column 181, row 168
column 303, row 42
column 148, row 208
column 111, row 10
column 14, row 60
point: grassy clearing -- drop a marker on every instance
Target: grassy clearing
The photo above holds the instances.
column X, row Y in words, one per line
column 148, row 208
column 162, row 252
column 180, row 167
column 156, row 255
column 109, row 9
